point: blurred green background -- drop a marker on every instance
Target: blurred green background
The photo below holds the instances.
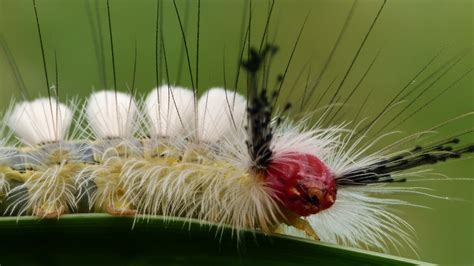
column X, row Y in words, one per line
column 406, row 36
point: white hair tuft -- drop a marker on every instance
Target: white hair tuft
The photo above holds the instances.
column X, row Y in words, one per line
column 170, row 110
column 220, row 112
column 40, row 121
column 112, row 114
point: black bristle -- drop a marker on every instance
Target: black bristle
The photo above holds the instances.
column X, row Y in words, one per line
column 382, row 172
column 260, row 109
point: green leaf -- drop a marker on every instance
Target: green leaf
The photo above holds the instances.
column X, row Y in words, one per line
column 98, row 239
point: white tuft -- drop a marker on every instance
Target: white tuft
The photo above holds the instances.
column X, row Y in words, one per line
column 170, row 110
column 111, row 114
column 39, row 121
column 220, row 112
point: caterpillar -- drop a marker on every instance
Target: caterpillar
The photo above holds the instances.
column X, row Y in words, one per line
column 228, row 155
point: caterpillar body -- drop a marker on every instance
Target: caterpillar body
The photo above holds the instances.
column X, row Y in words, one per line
column 220, row 157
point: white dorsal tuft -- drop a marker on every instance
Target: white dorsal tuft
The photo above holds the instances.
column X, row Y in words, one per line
column 40, row 121
column 220, row 112
column 112, row 114
column 170, row 110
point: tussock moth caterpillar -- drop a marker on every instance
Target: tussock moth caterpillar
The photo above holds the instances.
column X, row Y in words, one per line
column 124, row 153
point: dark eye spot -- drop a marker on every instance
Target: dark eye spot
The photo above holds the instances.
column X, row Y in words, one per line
column 314, row 200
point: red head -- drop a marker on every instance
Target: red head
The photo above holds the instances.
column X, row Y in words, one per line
column 302, row 183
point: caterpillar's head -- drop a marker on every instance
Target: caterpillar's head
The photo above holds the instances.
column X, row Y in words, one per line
column 302, row 183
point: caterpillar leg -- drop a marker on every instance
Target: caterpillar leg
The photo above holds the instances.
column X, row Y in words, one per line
column 109, row 192
column 4, row 188
column 119, row 207
column 110, row 199
column 48, row 212
column 52, row 192
column 301, row 224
